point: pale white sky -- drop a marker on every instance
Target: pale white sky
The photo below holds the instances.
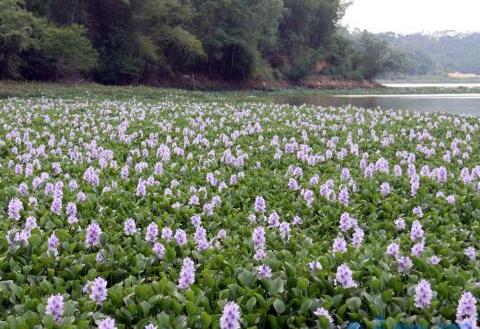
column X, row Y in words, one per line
column 409, row 16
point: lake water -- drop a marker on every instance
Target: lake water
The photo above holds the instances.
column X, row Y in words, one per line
column 432, row 85
column 451, row 103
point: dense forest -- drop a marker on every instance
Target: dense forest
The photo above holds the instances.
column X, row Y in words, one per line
column 437, row 53
column 149, row 41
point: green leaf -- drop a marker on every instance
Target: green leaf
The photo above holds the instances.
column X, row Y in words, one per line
column 354, row 303
column 275, row 286
column 250, row 303
column 279, row 306
column 206, row 319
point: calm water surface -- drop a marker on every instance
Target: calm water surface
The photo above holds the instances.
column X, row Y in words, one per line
column 451, row 103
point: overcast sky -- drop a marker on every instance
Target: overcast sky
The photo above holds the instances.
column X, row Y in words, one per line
column 408, row 16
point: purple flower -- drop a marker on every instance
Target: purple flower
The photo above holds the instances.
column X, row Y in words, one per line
column 343, row 196
column 221, row 234
column 72, row 220
column 260, row 205
column 167, row 234
column 180, row 237
column 339, row 245
column 260, row 254
column 400, row 224
column 315, row 266
column 470, row 253
column 418, row 211
column 92, row 237
column 56, row 206
column 124, row 172
column 423, row 294
column 467, row 310
column 451, row 199
column 152, row 232
column 357, row 237
column 273, row 219
column 284, row 229
column 158, row 169
column 404, row 264
column 14, row 208
column 53, row 244
column 159, row 250
column 321, row 312
column 442, row 175
column 416, row 233
column 434, row 260
column 344, row 277
column 130, row 227
column 345, row 174
column 31, row 223
column 201, row 239
column 230, row 316
column 98, row 290
column 73, row 185
column 71, row 209
column 264, row 272
column 393, row 249
column 417, row 249
column 296, row 220
column 258, row 237
column 55, row 307
column 196, row 220
column 385, row 189
column 91, row 176
column 414, row 186
column 325, row 191
column 346, row 222
column 81, row 197
column 293, row 184
column 397, row 171
column 107, row 323
column 141, row 188
column 187, row 274
column 466, row 177
column 23, row 189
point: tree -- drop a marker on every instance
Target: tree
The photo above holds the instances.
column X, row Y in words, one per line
column 375, row 56
column 17, row 30
column 148, row 41
column 69, row 50
column 306, row 27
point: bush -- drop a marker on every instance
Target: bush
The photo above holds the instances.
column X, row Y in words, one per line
column 68, row 49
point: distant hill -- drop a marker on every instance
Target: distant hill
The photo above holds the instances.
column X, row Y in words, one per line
column 438, row 53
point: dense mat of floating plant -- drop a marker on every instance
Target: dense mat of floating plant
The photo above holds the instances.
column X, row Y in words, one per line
column 179, row 214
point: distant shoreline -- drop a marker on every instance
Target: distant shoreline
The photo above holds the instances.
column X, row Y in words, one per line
column 10, row 88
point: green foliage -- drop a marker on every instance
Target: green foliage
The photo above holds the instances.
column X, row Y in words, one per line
column 437, row 53
column 69, row 49
column 374, row 56
column 16, row 35
column 149, row 41
column 305, row 29
column 361, row 55
column 142, row 288
column 30, row 45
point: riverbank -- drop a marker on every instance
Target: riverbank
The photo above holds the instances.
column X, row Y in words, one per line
column 42, row 89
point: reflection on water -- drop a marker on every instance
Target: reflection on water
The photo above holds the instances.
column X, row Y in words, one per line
column 432, row 85
column 451, row 103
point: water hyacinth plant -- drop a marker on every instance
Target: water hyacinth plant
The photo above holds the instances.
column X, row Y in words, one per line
column 204, row 211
